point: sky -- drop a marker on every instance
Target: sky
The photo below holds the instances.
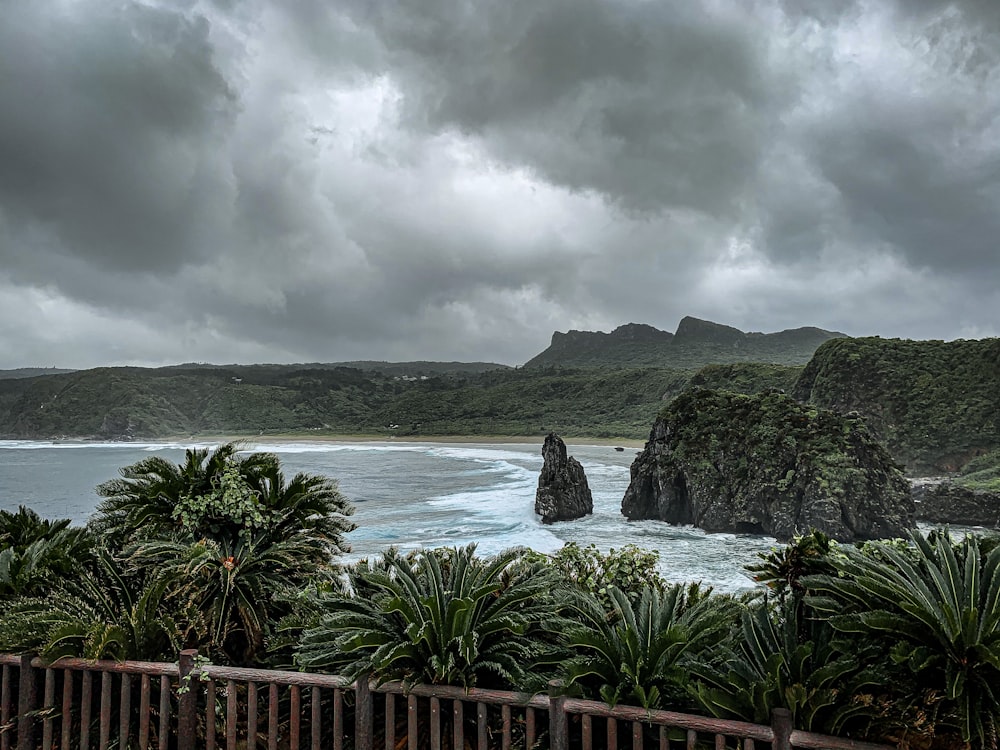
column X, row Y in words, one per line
column 313, row 181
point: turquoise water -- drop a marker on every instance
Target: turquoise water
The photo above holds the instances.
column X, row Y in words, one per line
column 412, row 495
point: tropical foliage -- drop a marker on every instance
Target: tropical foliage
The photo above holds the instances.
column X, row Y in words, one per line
column 35, row 552
column 936, row 608
column 439, row 616
column 210, row 553
column 643, row 652
column 779, row 659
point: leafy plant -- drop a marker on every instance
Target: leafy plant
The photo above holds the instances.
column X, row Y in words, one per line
column 783, row 569
column 440, row 616
column 104, row 613
column 35, row 552
column 938, row 606
column 641, row 654
column 229, row 594
column 778, row 661
column 628, row 569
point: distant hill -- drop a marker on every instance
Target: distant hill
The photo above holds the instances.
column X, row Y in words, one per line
column 31, row 372
column 695, row 344
column 935, row 404
column 421, row 367
column 125, row 403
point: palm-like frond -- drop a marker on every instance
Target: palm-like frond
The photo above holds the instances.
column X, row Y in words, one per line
column 229, row 593
column 778, row 661
column 36, row 552
column 639, row 652
column 939, row 606
column 99, row 614
column 437, row 616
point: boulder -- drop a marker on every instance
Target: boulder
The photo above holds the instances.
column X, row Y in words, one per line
column 943, row 501
column 767, row 464
column 563, row 493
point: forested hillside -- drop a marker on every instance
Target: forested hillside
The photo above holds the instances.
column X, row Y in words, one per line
column 935, row 404
column 116, row 403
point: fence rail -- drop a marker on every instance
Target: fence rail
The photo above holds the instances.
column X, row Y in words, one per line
column 76, row 703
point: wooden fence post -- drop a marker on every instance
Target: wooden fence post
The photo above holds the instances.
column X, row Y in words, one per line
column 364, row 723
column 187, row 700
column 781, row 725
column 25, row 705
column 558, row 722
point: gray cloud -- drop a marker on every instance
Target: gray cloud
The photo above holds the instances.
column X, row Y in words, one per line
column 455, row 180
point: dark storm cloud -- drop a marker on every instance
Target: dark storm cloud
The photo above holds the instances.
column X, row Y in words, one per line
column 455, row 179
column 111, row 117
column 651, row 104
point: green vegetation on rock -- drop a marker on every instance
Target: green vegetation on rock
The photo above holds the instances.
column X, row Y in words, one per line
column 766, row 464
column 935, row 404
column 695, row 344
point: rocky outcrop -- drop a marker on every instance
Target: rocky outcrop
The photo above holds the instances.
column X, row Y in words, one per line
column 933, row 404
column 695, row 344
column 766, row 464
column 563, row 493
column 943, row 501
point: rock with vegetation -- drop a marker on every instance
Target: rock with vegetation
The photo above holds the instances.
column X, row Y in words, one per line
column 695, row 344
column 942, row 500
column 934, row 404
column 766, row 464
column 563, row 493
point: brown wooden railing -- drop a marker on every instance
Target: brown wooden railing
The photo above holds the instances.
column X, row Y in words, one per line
column 75, row 703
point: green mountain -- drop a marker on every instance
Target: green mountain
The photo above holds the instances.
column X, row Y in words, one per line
column 935, row 404
column 695, row 344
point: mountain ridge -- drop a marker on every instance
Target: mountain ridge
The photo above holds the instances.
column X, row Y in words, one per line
column 696, row 343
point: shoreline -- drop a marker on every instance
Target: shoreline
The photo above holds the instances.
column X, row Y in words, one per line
column 345, row 439
column 388, row 439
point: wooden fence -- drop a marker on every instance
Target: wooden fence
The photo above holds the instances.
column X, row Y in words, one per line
column 75, row 703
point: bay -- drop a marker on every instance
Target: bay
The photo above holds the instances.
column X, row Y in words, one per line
column 412, row 495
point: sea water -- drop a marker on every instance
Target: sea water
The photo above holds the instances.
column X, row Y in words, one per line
column 412, row 495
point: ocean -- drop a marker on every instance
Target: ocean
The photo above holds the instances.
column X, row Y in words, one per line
column 413, row 495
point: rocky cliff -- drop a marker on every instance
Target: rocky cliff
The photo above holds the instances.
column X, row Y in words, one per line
column 766, row 464
column 563, row 493
column 943, row 501
column 695, row 344
column 934, row 404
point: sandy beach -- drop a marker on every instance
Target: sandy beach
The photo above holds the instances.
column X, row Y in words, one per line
column 323, row 437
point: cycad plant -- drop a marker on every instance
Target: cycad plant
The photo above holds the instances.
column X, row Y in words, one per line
column 103, row 613
column 937, row 606
column 229, row 539
column 641, row 653
column 36, row 552
column 228, row 595
column 440, row 616
column 779, row 660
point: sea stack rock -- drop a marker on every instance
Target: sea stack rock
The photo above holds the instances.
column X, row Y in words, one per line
column 563, row 493
column 767, row 464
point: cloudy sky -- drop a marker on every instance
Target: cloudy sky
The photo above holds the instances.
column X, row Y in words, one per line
column 246, row 181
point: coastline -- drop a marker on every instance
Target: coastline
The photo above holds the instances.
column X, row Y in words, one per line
column 337, row 438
